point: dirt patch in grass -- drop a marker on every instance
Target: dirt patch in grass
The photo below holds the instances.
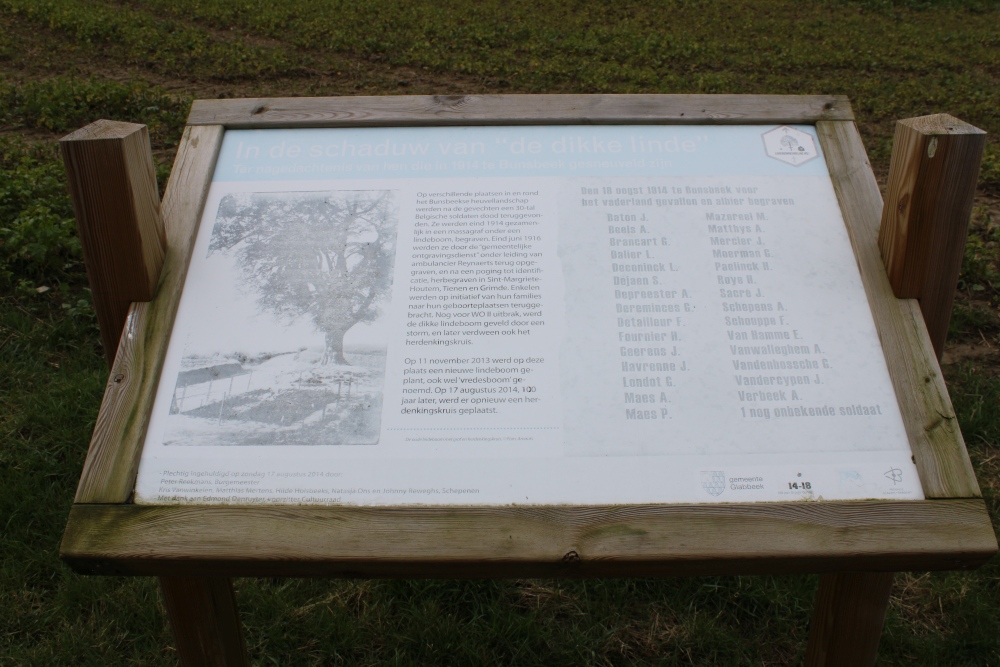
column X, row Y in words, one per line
column 43, row 53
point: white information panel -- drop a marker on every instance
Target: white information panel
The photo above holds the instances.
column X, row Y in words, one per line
column 524, row 315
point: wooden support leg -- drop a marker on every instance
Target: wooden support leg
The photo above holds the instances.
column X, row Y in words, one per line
column 932, row 183
column 112, row 180
column 847, row 621
column 205, row 621
column 109, row 166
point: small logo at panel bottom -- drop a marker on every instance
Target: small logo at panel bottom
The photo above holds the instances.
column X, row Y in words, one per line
column 713, row 481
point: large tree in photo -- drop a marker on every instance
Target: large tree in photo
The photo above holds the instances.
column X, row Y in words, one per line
column 327, row 256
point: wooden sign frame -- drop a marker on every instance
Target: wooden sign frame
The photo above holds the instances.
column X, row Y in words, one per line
column 107, row 534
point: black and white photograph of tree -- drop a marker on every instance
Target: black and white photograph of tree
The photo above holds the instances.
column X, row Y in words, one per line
column 292, row 358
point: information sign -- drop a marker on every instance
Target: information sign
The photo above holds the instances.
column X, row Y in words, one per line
column 524, row 315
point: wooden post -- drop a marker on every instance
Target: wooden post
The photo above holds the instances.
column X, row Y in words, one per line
column 113, row 185
column 205, row 621
column 112, row 181
column 932, row 181
column 848, row 618
column 925, row 220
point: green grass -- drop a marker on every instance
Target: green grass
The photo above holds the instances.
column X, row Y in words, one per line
column 64, row 63
column 36, row 220
column 61, row 105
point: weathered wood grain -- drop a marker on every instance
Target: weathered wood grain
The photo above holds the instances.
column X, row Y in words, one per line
column 112, row 182
column 517, row 110
column 205, row 621
column 643, row 540
column 932, row 182
column 113, row 458
column 935, row 438
column 847, row 620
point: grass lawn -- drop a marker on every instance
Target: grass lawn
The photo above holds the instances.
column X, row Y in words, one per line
column 65, row 63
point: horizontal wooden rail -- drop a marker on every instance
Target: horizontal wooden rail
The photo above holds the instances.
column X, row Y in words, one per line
column 517, row 110
column 641, row 540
